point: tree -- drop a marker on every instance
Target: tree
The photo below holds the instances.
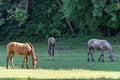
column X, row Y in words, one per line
column 18, row 12
column 108, row 11
column 79, row 12
column 95, row 14
column 67, row 20
column 2, row 20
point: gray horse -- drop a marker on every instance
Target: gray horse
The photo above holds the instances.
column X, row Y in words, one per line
column 51, row 46
column 99, row 45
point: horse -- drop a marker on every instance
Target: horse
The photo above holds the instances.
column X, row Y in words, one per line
column 51, row 46
column 99, row 45
column 25, row 49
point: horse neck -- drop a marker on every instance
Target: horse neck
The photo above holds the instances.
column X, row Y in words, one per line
column 33, row 56
column 110, row 51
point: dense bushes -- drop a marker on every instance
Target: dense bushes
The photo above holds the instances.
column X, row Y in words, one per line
column 45, row 20
column 29, row 20
column 97, row 15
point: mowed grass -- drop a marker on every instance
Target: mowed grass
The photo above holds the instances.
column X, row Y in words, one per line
column 67, row 64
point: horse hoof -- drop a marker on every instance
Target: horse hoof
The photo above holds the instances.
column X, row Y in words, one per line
column 102, row 60
column 112, row 60
column 13, row 67
column 88, row 60
column 6, row 67
column 22, row 67
column 92, row 60
column 52, row 55
column 99, row 59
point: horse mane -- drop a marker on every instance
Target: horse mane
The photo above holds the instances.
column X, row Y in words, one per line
column 30, row 45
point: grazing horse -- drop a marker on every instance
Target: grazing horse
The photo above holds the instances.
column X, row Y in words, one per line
column 99, row 45
column 51, row 46
column 25, row 49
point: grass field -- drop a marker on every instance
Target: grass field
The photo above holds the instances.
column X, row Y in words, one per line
column 67, row 64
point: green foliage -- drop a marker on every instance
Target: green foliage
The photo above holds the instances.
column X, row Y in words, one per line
column 80, row 12
column 89, row 18
column 110, row 8
column 47, row 20
column 99, row 6
column 2, row 20
column 18, row 15
column 96, row 14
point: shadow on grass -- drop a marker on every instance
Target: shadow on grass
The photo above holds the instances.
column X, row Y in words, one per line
column 69, row 63
column 57, row 79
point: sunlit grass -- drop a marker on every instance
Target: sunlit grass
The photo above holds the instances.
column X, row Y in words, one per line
column 58, row 74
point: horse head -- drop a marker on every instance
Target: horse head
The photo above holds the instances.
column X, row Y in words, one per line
column 34, row 63
column 109, row 47
column 32, row 53
column 34, row 59
column 112, row 56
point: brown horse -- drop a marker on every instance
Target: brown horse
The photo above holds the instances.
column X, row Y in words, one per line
column 25, row 49
column 51, row 46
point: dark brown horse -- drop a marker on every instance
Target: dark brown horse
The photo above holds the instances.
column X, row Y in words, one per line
column 25, row 49
column 51, row 46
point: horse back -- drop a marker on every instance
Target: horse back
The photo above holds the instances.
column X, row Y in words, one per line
column 10, row 47
column 51, row 40
column 98, row 44
column 15, row 47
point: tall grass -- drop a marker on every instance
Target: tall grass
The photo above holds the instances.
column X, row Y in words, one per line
column 67, row 64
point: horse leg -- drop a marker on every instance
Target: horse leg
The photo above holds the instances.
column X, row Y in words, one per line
column 89, row 51
column 7, row 60
column 11, row 60
column 53, row 50
column 27, row 62
column 102, row 56
column 92, row 54
column 23, row 62
column 49, row 49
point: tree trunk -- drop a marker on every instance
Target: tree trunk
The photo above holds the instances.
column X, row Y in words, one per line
column 67, row 20
column 108, row 31
column 29, row 8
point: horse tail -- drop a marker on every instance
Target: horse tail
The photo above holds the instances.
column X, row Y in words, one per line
column 51, row 41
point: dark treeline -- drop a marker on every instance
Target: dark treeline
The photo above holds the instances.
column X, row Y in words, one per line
column 35, row 20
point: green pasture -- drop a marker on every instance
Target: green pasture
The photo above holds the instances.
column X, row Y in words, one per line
column 67, row 64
